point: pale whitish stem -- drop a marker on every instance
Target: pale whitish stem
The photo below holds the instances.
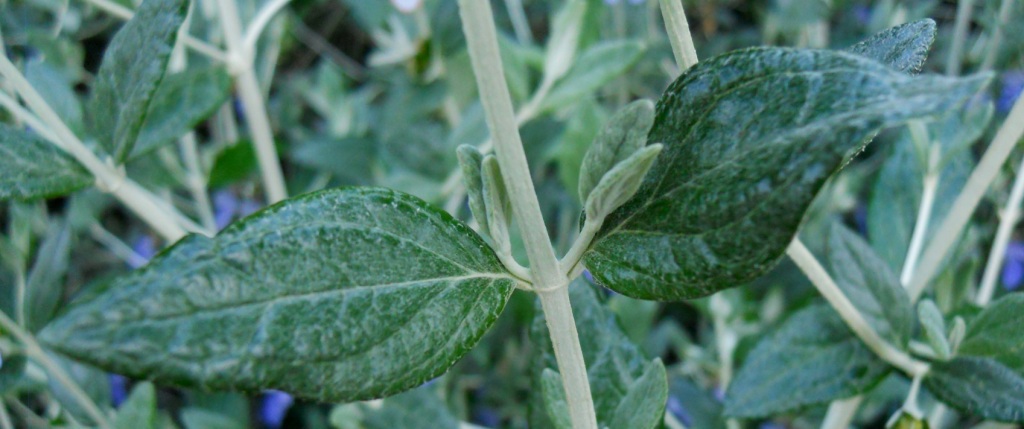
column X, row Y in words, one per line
column 5, row 419
column 1010, row 216
column 987, row 169
column 115, row 245
column 964, row 10
column 481, row 38
column 924, row 214
column 259, row 23
column 1003, row 20
column 196, row 182
column 848, row 312
column 841, row 412
column 520, row 24
column 54, row 370
column 679, row 33
column 249, row 93
column 159, row 216
column 573, row 257
column 125, row 13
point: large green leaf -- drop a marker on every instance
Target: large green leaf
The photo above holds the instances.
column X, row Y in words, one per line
column 813, row 358
column 998, row 333
column 132, row 68
column 978, row 386
column 904, row 47
column 750, row 137
column 340, row 295
column 33, row 168
column 870, row 285
column 615, row 366
column 182, row 101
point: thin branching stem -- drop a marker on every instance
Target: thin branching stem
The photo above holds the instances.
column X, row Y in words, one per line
column 1010, row 216
column 964, row 10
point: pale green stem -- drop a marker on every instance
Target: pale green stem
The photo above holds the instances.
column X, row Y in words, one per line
column 115, row 245
column 259, row 23
column 924, row 214
column 821, row 280
column 520, row 24
column 35, row 351
column 124, row 13
column 158, row 215
column 573, row 257
column 1010, row 216
column 241, row 64
column 5, row 419
column 987, row 169
column 964, row 10
column 841, row 413
column 679, row 33
column 481, row 38
column 1003, row 20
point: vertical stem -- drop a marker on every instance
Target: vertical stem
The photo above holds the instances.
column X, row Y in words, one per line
column 481, row 38
column 924, row 214
column 997, row 36
column 35, row 351
column 986, row 170
column 249, row 93
column 1011, row 214
column 519, row 22
column 841, row 412
column 679, row 33
column 964, row 9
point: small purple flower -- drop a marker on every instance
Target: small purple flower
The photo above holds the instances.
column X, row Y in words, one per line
column 486, row 416
column 772, row 425
column 1013, row 267
column 228, row 207
column 1012, row 86
column 118, row 389
column 862, row 13
column 676, row 408
column 145, row 248
column 588, row 276
column 274, row 408
column 632, row 2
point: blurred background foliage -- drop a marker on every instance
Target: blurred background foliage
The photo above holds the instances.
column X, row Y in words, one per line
column 362, row 93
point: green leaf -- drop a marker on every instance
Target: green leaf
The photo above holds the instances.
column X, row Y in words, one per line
column 811, row 359
column 139, row 410
column 32, row 168
column 615, row 366
column 94, row 382
column 997, row 333
column 57, row 90
column 45, row 287
column 644, row 404
column 181, row 102
column 419, row 408
column 896, row 194
column 198, row 418
column 623, row 134
column 904, row 47
column 132, row 68
column 698, row 405
column 581, row 128
column 934, row 327
column 499, row 207
column 234, row 163
column 978, row 386
column 594, row 68
column 750, row 138
column 870, row 285
column 340, row 295
column 554, row 399
column 471, row 161
column 621, row 182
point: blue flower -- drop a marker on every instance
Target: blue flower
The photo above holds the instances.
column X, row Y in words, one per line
column 118, row 389
column 862, row 13
column 145, row 247
column 274, row 408
column 228, row 207
column 676, row 408
column 1013, row 268
column 633, row 2
column 1012, row 86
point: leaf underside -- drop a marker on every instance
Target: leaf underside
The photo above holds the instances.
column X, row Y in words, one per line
column 750, row 138
column 341, row 295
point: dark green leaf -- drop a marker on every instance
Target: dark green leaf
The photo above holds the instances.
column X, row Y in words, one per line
column 978, row 386
column 623, row 134
column 181, row 102
column 45, row 287
column 419, row 408
column 234, row 163
column 750, row 138
column 614, row 364
column 340, row 295
column 139, row 410
column 132, row 68
column 33, row 168
column 870, row 285
column 904, row 47
column 998, row 333
column 594, row 68
column 813, row 358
